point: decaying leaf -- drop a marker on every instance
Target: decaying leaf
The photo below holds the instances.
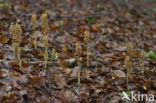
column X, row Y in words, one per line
column 5, row 40
column 37, row 82
column 60, row 81
column 112, row 25
column 95, row 27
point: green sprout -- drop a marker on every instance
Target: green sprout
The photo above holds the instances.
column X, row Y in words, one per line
column 128, row 13
column 90, row 19
column 154, row 9
column 60, row 25
column 123, row 94
column 4, row 5
column 52, row 84
column 55, row 54
column 3, row 0
column 151, row 54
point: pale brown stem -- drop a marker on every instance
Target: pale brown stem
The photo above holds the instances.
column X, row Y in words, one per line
column 20, row 64
column 128, row 74
column 45, row 63
column 19, row 59
column 142, row 67
column 127, row 80
column 79, row 70
column 46, row 50
column 35, row 43
column 14, row 52
column 35, row 36
column 88, row 56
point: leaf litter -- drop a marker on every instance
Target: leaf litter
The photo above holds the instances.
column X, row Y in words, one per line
column 112, row 26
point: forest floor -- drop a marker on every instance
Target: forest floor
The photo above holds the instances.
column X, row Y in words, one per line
column 113, row 26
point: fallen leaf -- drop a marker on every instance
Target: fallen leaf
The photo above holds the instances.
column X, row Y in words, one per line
column 74, row 72
column 5, row 40
column 69, row 94
column 95, row 27
column 67, row 71
column 86, row 73
column 64, row 49
column 24, row 64
column 15, row 74
column 119, row 73
column 115, row 99
column 36, row 81
column 41, row 54
column 60, row 80
column 64, row 63
column 84, row 28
